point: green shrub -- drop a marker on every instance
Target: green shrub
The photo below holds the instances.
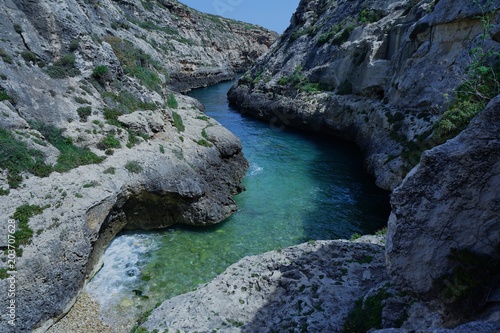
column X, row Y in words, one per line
column 63, row 68
column 16, row 157
column 172, row 102
column 110, row 171
column 366, row 316
column 73, row 45
column 71, row 156
column 4, row 192
column 110, row 141
column 29, row 56
column 4, row 96
column 178, row 121
column 370, row 15
column 18, row 28
column 204, row 143
column 24, row 233
column 100, row 73
column 80, row 100
column 345, row 88
column 84, row 112
column 134, row 167
column 5, row 56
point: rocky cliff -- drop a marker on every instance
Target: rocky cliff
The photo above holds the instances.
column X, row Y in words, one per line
column 380, row 73
column 95, row 139
column 415, row 85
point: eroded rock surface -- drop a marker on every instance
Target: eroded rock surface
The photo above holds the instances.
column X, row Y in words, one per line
column 450, row 200
column 307, row 287
column 380, row 73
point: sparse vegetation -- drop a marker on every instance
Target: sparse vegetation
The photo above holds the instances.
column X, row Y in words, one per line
column 17, row 158
column 71, row 156
column 367, row 314
column 134, row 167
column 136, row 63
column 124, row 102
column 301, row 83
column 24, row 233
column 481, row 84
column 84, row 112
column 63, row 68
column 337, row 35
column 473, row 277
column 172, row 102
column 178, row 121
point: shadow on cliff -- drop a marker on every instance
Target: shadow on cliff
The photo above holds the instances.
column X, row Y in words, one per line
column 345, row 198
column 316, row 290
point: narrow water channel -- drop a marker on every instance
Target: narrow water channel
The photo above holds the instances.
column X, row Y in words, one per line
column 299, row 188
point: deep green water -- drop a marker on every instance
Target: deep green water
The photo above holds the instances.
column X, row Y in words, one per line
column 299, row 188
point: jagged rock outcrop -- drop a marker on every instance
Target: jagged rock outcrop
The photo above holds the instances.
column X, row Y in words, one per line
column 380, row 73
column 167, row 180
column 394, row 76
column 450, row 201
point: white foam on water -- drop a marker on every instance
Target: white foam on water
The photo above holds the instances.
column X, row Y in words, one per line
column 255, row 169
column 121, row 270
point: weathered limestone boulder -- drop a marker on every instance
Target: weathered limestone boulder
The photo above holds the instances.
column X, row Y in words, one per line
column 143, row 122
column 310, row 286
column 451, row 200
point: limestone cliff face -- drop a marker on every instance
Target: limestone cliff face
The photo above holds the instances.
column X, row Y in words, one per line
column 387, row 75
column 380, row 73
column 95, row 138
column 449, row 202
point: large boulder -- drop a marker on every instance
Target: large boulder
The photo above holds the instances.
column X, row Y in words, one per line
column 451, row 200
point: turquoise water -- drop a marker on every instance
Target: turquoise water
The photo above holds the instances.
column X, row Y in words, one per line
column 299, row 188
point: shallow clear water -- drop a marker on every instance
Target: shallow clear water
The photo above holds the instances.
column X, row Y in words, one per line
column 299, row 188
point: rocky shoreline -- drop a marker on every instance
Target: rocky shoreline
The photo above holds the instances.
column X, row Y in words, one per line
column 89, row 110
